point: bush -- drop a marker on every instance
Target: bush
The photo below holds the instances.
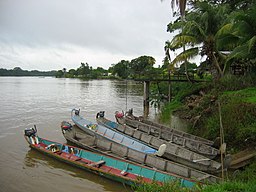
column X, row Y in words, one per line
column 238, row 120
column 232, row 82
column 171, row 186
column 167, row 110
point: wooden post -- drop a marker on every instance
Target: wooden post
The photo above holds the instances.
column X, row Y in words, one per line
column 146, row 98
column 222, row 151
column 169, row 87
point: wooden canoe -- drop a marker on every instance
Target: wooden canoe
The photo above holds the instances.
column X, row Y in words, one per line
column 104, row 132
column 190, row 144
column 173, row 152
column 159, row 129
column 76, row 136
column 106, row 166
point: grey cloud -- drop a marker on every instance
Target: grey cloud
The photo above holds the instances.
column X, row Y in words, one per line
column 127, row 27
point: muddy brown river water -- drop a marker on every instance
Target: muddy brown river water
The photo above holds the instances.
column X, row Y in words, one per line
column 45, row 102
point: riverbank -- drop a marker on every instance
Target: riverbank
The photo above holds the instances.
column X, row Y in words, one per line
column 199, row 106
column 227, row 186
column 237, row 99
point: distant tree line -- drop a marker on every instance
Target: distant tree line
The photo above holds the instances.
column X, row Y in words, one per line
column 141, row 67
column 138, row 68
column 17, row 71
column 84, row 71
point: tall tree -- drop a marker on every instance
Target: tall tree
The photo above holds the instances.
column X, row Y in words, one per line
column 142, row 65
column 84, row 70
column 241, row 37
column 121, row 69
column 181, row 4
column 199, row 34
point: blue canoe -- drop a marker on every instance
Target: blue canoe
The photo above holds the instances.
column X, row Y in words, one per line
column 102, row 131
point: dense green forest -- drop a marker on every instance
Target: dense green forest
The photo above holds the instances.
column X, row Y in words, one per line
column 17, row 71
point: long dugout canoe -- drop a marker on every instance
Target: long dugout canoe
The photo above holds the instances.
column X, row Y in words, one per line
column 76, row 136
column 104, row 132
column 168, row 150
column 159, row 129
column 173, row 152
column 106, row 166
column 146, row 133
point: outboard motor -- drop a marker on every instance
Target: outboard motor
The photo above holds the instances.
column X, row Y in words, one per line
column 100, row 114
column 119, row 114
column 65, row 126
column 31, row 135
column 130, row 112
column 30, row 131
column 77, row 112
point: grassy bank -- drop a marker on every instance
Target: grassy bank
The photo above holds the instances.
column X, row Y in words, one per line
column 198, row 104
column 238, row 109
column 229, row 186
column 243, row 181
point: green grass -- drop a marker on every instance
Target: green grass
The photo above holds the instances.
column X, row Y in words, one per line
column 171, row 186
column 167, row 111
column 237, row 96
column 228, row 186
column 248, row 95
column 238, row 119
column 232, row 186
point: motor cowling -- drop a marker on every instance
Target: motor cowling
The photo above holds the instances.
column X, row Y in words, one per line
column 66, row 125
column 30, row 132
column 100, row 114
column 119, row 114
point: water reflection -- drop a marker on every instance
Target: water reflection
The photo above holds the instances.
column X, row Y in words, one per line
column 36, row 160
column 128, row 87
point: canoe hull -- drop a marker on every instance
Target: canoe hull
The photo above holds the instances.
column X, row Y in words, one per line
column 108, row 176
column 149, row 132
column 173, row 152
column 135, row 122
column 104, row 132
column 108, row 167
column 81, row 139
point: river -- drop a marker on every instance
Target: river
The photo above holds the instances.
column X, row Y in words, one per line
column 45, row 102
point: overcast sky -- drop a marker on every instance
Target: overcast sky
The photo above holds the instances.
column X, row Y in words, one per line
column 53, row 34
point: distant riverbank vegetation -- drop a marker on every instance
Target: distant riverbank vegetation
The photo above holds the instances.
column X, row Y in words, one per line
column 141, row 67
column 17, row 71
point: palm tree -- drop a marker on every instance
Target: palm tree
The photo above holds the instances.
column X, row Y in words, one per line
column 181, row 4
column 199, row 34
column 240, row 37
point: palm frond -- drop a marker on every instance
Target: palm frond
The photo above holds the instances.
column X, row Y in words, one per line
column 226, row 38
column 224, row 30
column 180, row 40
column 251, row 43
column 176, row 25
column 185, row 55
column 193, row 27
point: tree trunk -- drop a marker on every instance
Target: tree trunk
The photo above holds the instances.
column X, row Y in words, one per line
column 186, row 62
column 169, row 87
column 216, row 63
